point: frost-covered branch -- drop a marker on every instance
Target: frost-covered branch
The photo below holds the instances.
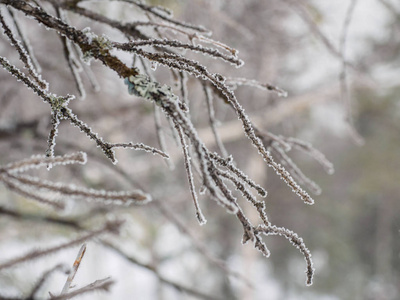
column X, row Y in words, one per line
column 219, row 176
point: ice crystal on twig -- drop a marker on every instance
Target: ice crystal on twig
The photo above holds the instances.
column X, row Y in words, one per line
column 28, row 192
column 131, row 46
column 23, row 54
column 296, row 241
column 51, row 141
column 228, row 163
column 212, row 119
column 33, row 187
column 235, row 82
column 188, row 168
column 25, row 42
column 294, row 170
column 116, row 197
column 73, row 64
column 38, row 161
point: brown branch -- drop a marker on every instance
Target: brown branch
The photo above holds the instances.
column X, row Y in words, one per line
column 111, row 227
column 160, row 277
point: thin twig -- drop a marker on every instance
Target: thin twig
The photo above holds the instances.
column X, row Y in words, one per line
column 344, row 87
column 99, row 285
column 43, row 279
column 75, row 268
column 111, row 227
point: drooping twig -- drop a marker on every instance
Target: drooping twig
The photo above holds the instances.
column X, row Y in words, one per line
column 296, row 241
column 213, row 121
column 294, row 170
column 188, row 167
column 312, row 152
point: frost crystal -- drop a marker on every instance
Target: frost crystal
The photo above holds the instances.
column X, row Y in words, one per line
column 89, row 34
column 103, row 42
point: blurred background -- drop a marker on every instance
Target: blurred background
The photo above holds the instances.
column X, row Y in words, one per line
column 352, row 230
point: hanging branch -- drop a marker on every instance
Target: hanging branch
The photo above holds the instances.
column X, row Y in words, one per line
column 295, row 240
column 188, row 167
column 213, row 121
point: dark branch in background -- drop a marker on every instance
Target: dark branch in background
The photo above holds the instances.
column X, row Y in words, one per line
column 73, row 64
column 166, row 17
column 178, row 286
column 42, row 280
column 298, row 6
column 213, row 121
column 25, row 42
column 23, row 55
column 75, row 225
column 344, row 89
column 109, row 227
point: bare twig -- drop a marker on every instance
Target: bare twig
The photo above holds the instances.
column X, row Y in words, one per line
column 75, row 268
column 344, row 88
column 99, row 285
column 43, row 279
column 111, row 227
column 177, row 286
